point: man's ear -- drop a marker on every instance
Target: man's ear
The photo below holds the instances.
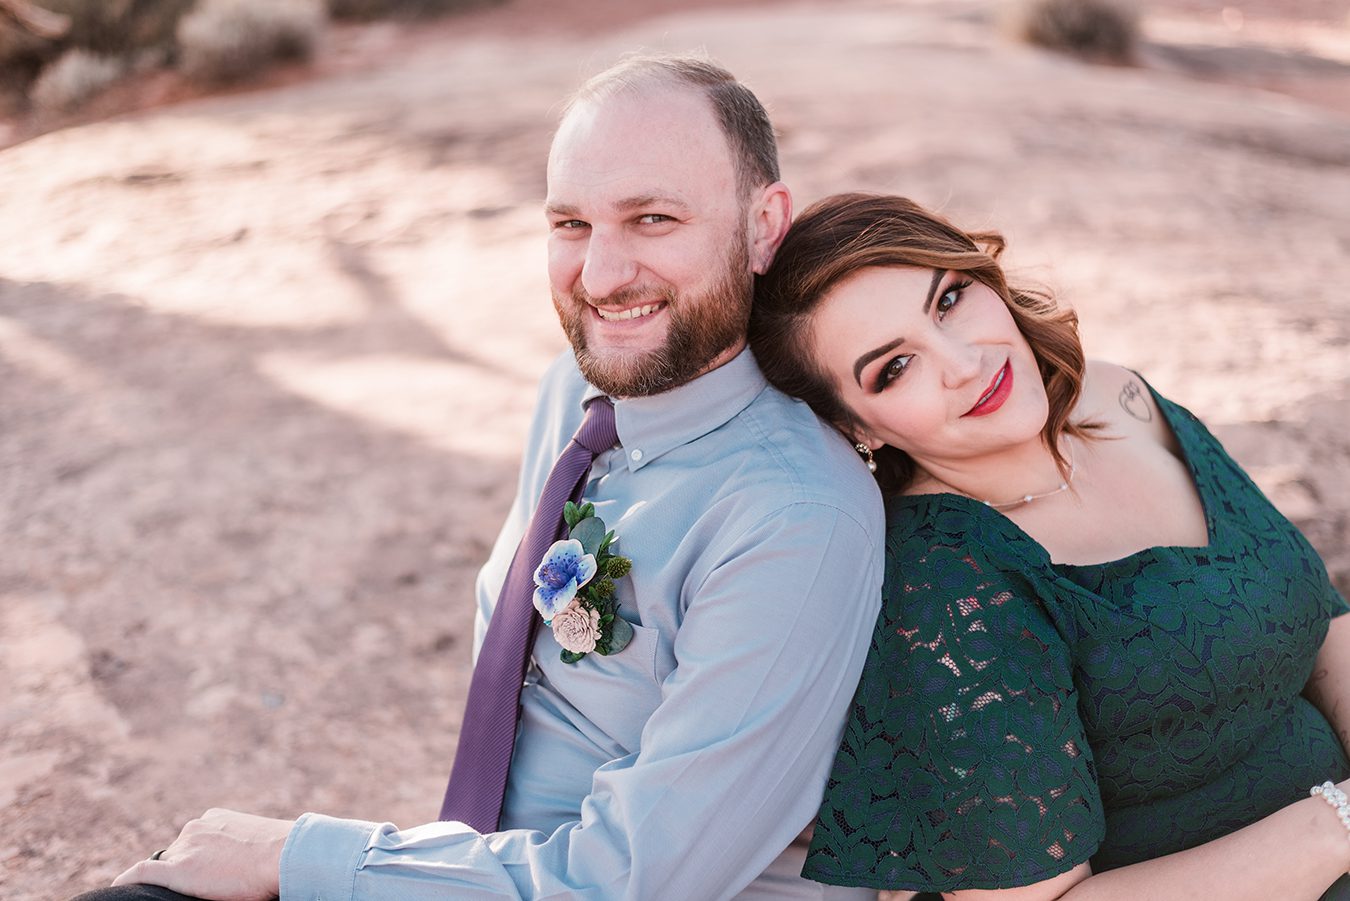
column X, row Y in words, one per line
column 771, row 214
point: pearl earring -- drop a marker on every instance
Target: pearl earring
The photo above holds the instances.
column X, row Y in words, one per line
column 866, row 453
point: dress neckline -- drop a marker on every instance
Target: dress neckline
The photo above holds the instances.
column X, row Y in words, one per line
column 1021, row 537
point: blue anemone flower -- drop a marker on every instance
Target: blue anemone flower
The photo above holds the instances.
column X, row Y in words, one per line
column 566, row 567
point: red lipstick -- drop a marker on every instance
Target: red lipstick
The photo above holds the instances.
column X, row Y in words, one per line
column 1000, row 386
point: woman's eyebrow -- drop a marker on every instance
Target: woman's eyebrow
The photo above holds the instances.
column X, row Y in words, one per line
column 932, row 287
column 892, row 345
column 872, row 355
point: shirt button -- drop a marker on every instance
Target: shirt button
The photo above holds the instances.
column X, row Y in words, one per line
column 635, row 456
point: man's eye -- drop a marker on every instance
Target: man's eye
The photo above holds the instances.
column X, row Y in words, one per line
column 569, row 224
column 654, row 219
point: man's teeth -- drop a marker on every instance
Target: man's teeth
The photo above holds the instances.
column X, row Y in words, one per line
column 632, row 313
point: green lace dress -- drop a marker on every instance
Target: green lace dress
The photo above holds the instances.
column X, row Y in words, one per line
column 1018, row 717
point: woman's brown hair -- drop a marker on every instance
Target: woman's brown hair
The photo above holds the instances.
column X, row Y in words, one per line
column 840, row 235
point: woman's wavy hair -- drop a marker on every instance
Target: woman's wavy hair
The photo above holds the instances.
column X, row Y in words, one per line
column 842, row 234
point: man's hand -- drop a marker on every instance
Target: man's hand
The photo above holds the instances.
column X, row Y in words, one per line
column 223, row 856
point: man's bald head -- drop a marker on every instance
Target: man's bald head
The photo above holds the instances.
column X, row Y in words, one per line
column 742, row 118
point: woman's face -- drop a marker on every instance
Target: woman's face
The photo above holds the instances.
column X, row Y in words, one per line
column 931, row 363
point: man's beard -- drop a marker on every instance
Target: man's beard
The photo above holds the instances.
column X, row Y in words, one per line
column 701, row 328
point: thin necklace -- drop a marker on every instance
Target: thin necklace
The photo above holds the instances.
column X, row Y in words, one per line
column 1028, row 498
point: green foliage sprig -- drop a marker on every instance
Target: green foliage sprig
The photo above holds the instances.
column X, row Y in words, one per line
column 599, row 594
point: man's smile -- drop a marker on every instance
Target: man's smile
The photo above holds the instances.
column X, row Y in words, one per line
column 610, row 314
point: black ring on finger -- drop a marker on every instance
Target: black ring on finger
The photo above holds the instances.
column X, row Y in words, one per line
column 158, row 854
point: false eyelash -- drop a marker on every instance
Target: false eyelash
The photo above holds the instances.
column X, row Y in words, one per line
column 960, row 286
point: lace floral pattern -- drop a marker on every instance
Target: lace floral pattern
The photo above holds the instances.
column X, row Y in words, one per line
column 1018, row 717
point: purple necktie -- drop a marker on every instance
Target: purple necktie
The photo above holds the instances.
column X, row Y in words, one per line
column 488, row 734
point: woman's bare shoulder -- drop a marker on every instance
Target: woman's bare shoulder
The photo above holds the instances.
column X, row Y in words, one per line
column 1117, row 398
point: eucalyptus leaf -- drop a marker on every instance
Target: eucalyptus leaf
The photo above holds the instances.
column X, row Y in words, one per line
column 590, row 532
column 620, row 634
column 571, row 514
column 569, row 657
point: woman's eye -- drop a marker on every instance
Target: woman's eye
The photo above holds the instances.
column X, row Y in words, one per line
column 951, row 297
column 892, row 370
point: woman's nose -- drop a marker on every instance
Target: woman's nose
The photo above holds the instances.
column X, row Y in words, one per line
column 962, row 362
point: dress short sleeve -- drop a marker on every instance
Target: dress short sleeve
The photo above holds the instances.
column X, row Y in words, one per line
column 1261, row 517
column 1335, row 602
column 964, row 763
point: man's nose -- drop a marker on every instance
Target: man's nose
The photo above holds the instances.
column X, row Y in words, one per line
column 608, row 267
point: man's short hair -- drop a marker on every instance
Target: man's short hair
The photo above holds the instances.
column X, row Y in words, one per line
column 749, row 132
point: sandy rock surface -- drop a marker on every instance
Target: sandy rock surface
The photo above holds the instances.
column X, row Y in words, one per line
column 266, row 359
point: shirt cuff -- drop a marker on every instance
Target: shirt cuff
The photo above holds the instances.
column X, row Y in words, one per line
column 321, row 857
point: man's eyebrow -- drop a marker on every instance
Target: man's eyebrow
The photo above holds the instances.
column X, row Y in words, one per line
column 872, row 355
column 642, row 201
column 626, row 205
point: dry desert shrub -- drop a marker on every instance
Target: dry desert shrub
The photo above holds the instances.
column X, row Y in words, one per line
column 379, row 9
column 22, row 55
column 34, row 34
column 73, row 79
column 1098, row 30
column 114, row 27
column 224, row 41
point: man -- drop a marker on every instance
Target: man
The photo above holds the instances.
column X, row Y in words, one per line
column 683, row 765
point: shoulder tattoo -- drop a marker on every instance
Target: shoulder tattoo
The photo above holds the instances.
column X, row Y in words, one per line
column 1135, row 402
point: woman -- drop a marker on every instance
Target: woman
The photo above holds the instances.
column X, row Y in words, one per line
column 1105, row 665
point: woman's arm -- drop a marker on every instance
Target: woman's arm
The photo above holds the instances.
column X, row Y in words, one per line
column 1295, row 853
column 1329, row 687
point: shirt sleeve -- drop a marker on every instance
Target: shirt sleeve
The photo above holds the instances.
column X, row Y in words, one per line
column 732, row 762
column 964, row 764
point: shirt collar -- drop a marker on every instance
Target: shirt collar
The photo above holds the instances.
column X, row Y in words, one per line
column 651, row 426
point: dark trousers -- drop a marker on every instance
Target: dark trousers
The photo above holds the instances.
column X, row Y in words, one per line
column 133, row 893
column 1339, row 891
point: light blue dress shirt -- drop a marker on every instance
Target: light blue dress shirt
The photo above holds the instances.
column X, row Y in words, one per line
column 684, row 766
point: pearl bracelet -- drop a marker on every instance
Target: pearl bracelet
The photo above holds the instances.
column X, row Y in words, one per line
column 1336, row 798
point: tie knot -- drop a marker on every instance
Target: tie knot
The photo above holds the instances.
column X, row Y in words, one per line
column 597, row 432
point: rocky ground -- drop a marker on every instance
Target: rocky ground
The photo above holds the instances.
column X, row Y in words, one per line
column 266, row 358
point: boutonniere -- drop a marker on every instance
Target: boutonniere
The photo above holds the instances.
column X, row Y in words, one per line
column 575, row 593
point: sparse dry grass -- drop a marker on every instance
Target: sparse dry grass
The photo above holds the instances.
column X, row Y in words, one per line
column 226, row 41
